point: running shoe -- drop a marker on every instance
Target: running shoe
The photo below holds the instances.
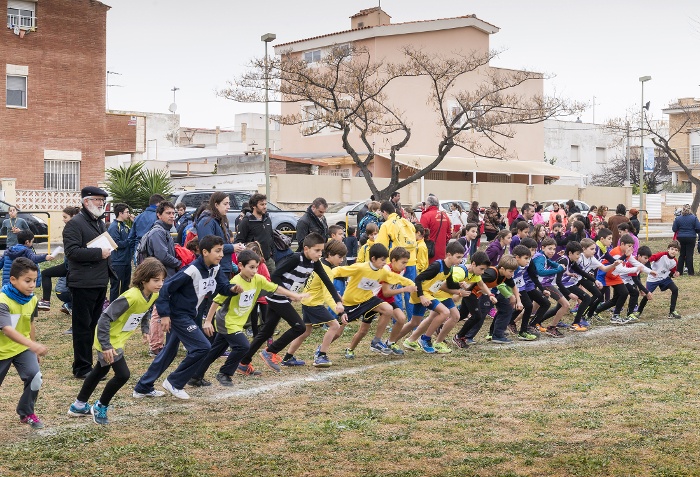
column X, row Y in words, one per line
column 533, row 331
column 412, row 345
column 561, row 324
column 378, row 347
column 198, row 382
column 349, row 353
column 271, row 359
column 66, row 308
column 69, row 331
column 489, row 337
column 584, row 323
column 151, row 394
column 33, row 421
column 617, row 320
column 224, row 379
column 540, row 328
column 578, row 327
column 574, row 310
column 44, row 305
column 459, row 342
column 442, row 348
column 247, row 370
column 525, row 336
column 395, row 349
column 597, row 318
column 492, row 312
column 632, row 317
column 513, row 329
column 322, row 361
column 99, row 413
column 178, row 393
column 293, row 361
column 426, row 344
column 674, row 315
column 554, row 332
column 501, row 340
column 470, row 341
column 225, row 354
column 75, row 411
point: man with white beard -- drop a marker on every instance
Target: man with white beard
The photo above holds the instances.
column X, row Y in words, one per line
column 88, row 275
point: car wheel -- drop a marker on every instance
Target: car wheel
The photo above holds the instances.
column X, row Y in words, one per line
column 287, row 227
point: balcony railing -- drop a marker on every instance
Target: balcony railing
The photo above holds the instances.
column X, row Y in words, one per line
column 22, row 21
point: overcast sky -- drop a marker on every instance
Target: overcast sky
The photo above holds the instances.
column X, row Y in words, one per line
column 592, row 48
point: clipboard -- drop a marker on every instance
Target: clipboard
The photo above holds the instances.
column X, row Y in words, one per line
column 104, row 240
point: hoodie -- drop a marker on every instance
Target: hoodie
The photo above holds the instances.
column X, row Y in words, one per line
column 17, row 251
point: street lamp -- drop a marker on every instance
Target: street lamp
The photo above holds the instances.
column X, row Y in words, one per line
column 642, row 79
column 267, row 38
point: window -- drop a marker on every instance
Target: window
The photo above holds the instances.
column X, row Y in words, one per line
column 313, row 56
column 17, row 91
column 500, row 178
column 600, row 155
column 574, row 156
column 695, row 154
column 435, row 176
column 310, row 116
column 196, row 199
column 21, row 14
column 62, row 175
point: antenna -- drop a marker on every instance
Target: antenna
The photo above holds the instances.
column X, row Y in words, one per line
column 173, row 106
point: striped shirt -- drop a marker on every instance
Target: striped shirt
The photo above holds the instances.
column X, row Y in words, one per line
column 292, row 273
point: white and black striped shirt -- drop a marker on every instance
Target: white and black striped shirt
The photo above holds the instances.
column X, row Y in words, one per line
column 292, row 273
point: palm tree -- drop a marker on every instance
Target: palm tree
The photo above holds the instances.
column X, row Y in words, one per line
column 133, row 185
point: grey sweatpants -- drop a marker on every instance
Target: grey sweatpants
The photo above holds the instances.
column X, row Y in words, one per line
column 27, row 367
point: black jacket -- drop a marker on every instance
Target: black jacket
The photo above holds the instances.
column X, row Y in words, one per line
column 252, row 229
column 309, row 223
column 86, row 267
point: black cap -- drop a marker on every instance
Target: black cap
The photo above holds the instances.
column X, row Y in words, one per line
column 91, row 190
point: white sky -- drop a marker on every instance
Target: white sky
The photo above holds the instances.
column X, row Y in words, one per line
column 594, row 48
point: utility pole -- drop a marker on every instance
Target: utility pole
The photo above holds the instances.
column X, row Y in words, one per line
column 629, row 179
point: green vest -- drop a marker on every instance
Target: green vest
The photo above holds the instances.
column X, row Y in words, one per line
column 22, row 321
column 124, row 326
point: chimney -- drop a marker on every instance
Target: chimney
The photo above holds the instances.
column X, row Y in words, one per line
column 369, row 17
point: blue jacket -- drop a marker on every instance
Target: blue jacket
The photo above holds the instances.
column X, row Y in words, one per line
column 178, row 298
column 142, row 224
column 687, row 226
column 17, row 251
column 207, row 225
column 119, row 232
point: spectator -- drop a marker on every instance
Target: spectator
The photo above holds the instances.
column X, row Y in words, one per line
column 687, row 228
column 257, row 227
column 616, row 220
column 182, row 220
column 572, row 208
column 121, row 257
column 245, row 210
column 89, row 275
column 438, row 222
column 458, row 217
column 634, row 220
column 364, row 209
column 158, row 242
column 214, row 222
column 474, row 214
column 557, row 211
column 537, row 218
column 512, row 213
column 12, row 226
column 24, row 248
column 313, row 221
column 396, row 200
column 144, row 221
column 371, row 217
column 526, row 215
column 493, row 221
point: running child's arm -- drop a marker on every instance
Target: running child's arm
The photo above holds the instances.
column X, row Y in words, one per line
column 636, row 263
column 516, row 294
column 532, row 273
column 321, row 273
column 640, row 286
column 427, row 274
column 541, row 262
column 207, row 327
column 388, row 290
column 146, row 325
column 115, row 309
column 580, row 271
column 6, row 326
column 292, row 295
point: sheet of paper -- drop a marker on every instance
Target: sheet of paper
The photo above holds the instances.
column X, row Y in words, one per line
column 102, row 241
column 57, row 251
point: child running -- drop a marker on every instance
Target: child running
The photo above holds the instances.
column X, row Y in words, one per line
column 547, row 270
column 569, row 281
column 363, row 253
column 530, row 289
column 664, row 265
column 613, row 279
column 18, row 347
column 470, row 302
column 116, row 324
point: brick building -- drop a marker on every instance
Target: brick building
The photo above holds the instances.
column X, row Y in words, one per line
column 54, row 130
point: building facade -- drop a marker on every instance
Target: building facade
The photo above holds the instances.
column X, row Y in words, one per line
column 684, row 126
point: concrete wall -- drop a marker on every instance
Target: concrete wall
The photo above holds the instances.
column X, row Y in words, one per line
column 249, row 181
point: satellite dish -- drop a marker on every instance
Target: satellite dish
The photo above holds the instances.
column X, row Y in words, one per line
column 172, row 108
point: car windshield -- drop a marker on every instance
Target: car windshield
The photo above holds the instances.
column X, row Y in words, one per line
column 337, row 207
column 272, row 207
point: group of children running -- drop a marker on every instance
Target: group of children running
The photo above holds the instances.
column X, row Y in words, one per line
column 393, row 283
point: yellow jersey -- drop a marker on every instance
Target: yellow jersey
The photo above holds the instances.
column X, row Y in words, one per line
column 365, row 282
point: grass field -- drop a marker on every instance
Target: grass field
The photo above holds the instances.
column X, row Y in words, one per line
column 619, row 401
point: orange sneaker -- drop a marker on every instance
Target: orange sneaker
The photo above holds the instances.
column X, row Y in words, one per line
column 541, row 328
column 577, row 327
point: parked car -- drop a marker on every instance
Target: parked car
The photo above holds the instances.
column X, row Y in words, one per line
column 281, row 220
column 36, row 224
column 336, row 213
column 548, row 206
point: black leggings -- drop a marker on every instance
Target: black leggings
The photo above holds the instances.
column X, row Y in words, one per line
column 470, row 307
column 596, row 296
column 543, row 302
column 121, row 376
column 618, row 299
column 277, row 310
column 585, row 299
column 634, row 297
column 259, row 312
column 685, row 258
column 47, row 274
column 674, row 297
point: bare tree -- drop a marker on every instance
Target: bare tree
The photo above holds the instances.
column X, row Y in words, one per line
column 615, row 173
column 347, row 92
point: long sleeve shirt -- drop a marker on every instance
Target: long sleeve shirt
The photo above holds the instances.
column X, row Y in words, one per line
column 365, row 281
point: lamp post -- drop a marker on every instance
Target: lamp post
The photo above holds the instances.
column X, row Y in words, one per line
column 642, row 79
column 267, row 38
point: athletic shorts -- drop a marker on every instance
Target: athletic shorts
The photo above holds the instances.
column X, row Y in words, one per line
column 364, row 312
column 554, row 292
column 316, row 315
column 662, row 284
column 419, row 309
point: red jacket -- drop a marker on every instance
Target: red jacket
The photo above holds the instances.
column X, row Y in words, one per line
column 512, row 215
column 433, row 219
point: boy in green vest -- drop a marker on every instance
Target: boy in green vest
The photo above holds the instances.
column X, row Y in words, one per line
column 17, row 345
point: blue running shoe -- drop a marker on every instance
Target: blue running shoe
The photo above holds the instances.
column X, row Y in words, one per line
column 75, row 411
column 426, row 344
column 585, row 323
column 378, row 347
column 322, row 361
column 293, row 361
column 99, row 413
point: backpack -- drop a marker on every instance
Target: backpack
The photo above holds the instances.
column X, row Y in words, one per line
column 405, row 235
column 280, row 241
column 185, row 255
column 430, row 245
column 143, row 250
column 190, row 234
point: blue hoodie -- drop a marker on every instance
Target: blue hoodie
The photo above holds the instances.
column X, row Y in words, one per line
column 142, row 224
column 17, row 251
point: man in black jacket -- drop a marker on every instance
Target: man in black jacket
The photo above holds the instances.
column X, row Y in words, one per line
column 313, row 221
column 257, row 227
column 88, row 275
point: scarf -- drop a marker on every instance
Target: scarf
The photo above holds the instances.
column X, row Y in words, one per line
column 15, row 294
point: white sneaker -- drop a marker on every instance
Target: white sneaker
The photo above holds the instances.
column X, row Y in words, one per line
column 178, row 393
column 152, row 394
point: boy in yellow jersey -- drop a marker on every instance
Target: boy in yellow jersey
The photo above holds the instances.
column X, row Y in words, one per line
column 116, row 324
column 399, row 232
column 421, row 248
column 431, row 297
column 360, row 297
column 315, row 308
column 232, row 316
column 17, row 345
column 363, row 253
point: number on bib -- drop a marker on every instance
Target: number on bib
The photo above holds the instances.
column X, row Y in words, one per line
column 206, row 285
column 133, row 321
column 368, row 284
column 14, row 319
column 520, row 282
column 435, row 287
column 246, row 299
column 296, row 287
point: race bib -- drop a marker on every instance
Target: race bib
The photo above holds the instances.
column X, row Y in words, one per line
column 436, row 286
column 14, row 319
column 296, row 287
column 520, row 282
column 368, row 284
column 133, row 321
column 246, row 299
column 206, row 285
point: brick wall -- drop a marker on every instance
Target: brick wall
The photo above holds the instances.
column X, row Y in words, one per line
column 66, row 59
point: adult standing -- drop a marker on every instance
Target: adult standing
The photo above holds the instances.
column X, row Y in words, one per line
column 493, row 221
column 313, row 221
column 438, row 222
column 214, row 221
column 474, row 216
column 158, row 242
column 458, row 217
column 687, row 228
column 88, row 275
column 144, row 221
column 396, row 201
column 557, row 211
column 512, row 213
column 617, row 219
column 572, row 208
column 526, row 215
column 12, row 226
column 121, row 257
column 257, row 227
column 365, row 208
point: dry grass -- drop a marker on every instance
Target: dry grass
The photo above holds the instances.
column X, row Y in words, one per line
column 613, row 401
